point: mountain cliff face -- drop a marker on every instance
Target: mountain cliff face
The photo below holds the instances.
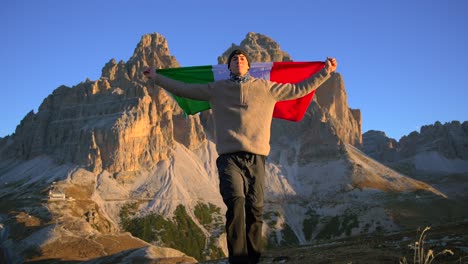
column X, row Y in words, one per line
column 126, row 159
column 377, row 145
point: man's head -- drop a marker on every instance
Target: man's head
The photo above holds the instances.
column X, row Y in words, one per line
column 238, row 62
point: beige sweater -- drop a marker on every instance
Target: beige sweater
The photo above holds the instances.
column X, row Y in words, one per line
column 243, row 111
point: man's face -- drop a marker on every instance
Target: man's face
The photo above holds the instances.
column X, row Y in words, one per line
column 239, row 64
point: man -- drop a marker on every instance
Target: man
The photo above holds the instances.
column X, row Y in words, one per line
column 242, row 110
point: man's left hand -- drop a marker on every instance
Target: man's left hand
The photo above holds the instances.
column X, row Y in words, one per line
column 331, row 64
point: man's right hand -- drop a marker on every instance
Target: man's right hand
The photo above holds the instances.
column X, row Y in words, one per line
column 150, row 72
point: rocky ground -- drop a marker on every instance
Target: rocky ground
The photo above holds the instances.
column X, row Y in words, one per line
column 375, row 248
column 381, row 248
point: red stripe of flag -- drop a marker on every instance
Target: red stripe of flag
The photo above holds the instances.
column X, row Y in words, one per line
column 293, row 72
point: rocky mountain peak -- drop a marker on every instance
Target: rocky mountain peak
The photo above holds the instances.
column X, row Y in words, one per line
column 260, row 48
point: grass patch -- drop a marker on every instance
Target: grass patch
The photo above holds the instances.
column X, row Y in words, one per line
column 337, row 226
column 180, row 232
column 207, row 214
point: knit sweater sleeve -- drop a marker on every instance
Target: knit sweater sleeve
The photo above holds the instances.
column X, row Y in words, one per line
column 288, row 91
column 188, row 90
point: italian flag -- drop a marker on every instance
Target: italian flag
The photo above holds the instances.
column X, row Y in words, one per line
column 281, row 72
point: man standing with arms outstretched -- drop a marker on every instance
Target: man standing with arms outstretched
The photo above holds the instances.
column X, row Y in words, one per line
column 242, row 111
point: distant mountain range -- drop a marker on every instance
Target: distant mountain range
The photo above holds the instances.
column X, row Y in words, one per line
column 436, row 149
column 117, row 155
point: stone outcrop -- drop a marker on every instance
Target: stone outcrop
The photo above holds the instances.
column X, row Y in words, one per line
column 377, row 145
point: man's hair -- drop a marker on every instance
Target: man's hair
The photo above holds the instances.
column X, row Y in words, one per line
column 237, row 52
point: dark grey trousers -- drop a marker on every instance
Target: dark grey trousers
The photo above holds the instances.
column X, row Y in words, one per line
column 241, row 182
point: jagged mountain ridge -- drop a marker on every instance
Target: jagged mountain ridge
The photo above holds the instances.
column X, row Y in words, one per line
column 437, row 149
column 119, row 141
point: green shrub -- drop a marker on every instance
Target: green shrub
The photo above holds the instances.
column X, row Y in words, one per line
column 337, row 226
column 289, row 237
column 180, row 232
column 207, row 214
column 310, row 223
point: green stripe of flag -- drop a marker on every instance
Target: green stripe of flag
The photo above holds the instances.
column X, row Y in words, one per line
column 195, row 74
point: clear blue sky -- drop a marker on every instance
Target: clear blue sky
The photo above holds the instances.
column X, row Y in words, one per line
column 404, row 62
